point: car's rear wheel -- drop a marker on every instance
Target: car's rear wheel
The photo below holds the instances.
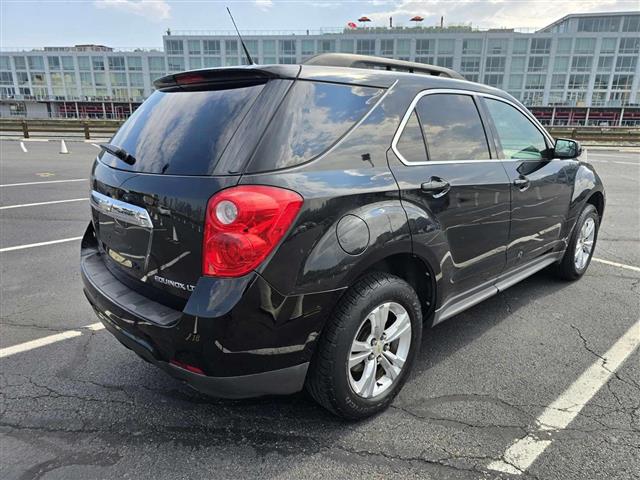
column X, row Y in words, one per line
column 581, row 245
column 367, row 348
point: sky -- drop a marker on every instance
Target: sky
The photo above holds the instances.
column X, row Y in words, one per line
column 141, row 23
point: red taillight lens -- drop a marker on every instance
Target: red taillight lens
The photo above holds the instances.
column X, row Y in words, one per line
column 242, row 226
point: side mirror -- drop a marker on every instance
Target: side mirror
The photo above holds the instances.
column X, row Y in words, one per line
column 565, row 148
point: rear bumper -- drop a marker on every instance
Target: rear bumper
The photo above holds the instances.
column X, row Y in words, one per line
column 242, row 353
column 276, row 382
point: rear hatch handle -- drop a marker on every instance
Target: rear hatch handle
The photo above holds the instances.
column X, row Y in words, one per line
column 119, row 152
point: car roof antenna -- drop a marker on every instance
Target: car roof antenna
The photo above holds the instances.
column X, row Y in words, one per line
column 244, row 47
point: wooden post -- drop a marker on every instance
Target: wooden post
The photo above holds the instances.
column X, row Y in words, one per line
column 25, row 129
column 87, row 136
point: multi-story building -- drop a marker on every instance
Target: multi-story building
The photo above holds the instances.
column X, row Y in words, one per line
column 581, row 69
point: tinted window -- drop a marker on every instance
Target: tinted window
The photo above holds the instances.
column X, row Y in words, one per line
column 311, row 119
column 519, row 138
column 411, row 144
column 182, row 133
column 452, row 128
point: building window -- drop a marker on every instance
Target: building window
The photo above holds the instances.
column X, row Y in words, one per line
column 578, row 82
column 626, row 64
column 517, row 64
column 195, row 62
column 5, row 64
column 585, row 45
column 403, row 47
column 175, row 64
column 538, row 64
column 497, row 46
column 54, row 63
column 608, row 45
column 561, row 64
column 134, row 64
column 366, row 47
column 425, row 59
column 470, row 64
column 629, row 45
column 38, row 78
column 86, row 80
column 581, row 64
column 174, row 47
column 631, row 23
column 598, row 99
column 446, row 62
column 520, row 45
column 287, row 47
column 22, row 78
column 193, row 47
column 156, row 64
column 20, row 63
column 346, row 46
column 36, row 63
column 67, row 63
column 472, row 46
column 425, row 47
column 495, row 64
column 231, row 48
column 136, row 80
column 6, row 78
column 564, row 46
column 601, row 82
column 252, row 46
column 515, row 82
column 532, row 98
column 84, row 64
column 472, row 77
column 446, row 46
column 116, row 63
column 558, row 81
column 118, row 79
column 308, row 47
column 494, row 80
column 98, row 63
column 605, row 64
column 211, row 47
column 325, row 46
column 386, row 47
column 535, row 82
column 540, row 45
column 622, row 82
column 212, row 62
column 599, row 24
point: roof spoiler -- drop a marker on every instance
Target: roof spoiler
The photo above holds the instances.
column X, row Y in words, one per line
column 381, row 63
column 221, row 78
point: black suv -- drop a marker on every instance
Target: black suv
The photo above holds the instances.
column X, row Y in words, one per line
column 261, row 229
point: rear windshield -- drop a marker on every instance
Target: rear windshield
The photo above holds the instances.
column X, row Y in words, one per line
column 313, row 117
column 182, row 133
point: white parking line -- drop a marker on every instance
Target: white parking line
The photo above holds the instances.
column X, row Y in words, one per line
column 7, row 207
column 41, row 183
column 39, row 244
column 41, row 342
column 557, row 416
column 616, row 264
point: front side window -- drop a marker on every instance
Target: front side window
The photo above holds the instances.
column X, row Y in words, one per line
column 452, row 128
column 519, row 138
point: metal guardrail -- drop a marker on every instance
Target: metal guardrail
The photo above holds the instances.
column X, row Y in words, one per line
column 89, row 128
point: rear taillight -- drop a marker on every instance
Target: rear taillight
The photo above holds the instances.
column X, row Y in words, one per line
column 242, row 226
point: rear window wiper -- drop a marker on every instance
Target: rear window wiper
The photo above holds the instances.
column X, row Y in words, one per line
column 119, row 152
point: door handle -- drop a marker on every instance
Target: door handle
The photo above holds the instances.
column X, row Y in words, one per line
column 436, row 186
column 522, row 183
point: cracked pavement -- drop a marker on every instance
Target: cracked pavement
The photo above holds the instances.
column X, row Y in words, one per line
column 88, row 408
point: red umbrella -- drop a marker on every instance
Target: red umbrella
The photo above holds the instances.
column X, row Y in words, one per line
column 352, row 25
column 417, row 18
column 364, row 19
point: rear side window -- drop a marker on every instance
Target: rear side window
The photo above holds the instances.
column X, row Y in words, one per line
column 312, row 117
column 452, row 128
column 182, row 133
column 411, row 143
column 519, row 138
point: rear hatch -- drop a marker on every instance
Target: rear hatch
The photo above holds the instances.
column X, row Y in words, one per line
column 189, row 139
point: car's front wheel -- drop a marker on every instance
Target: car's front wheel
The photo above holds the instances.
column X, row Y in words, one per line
column 582, row 243
column 367, row 349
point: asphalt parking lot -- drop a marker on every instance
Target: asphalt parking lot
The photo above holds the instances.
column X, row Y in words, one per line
column 74, row 403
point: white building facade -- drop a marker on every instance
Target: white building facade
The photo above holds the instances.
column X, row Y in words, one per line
column 582, row 69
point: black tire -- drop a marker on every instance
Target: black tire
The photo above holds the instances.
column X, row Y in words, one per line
column 566, row 268
column 327, row 379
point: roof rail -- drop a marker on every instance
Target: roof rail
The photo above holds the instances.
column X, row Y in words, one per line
column 368, row 61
